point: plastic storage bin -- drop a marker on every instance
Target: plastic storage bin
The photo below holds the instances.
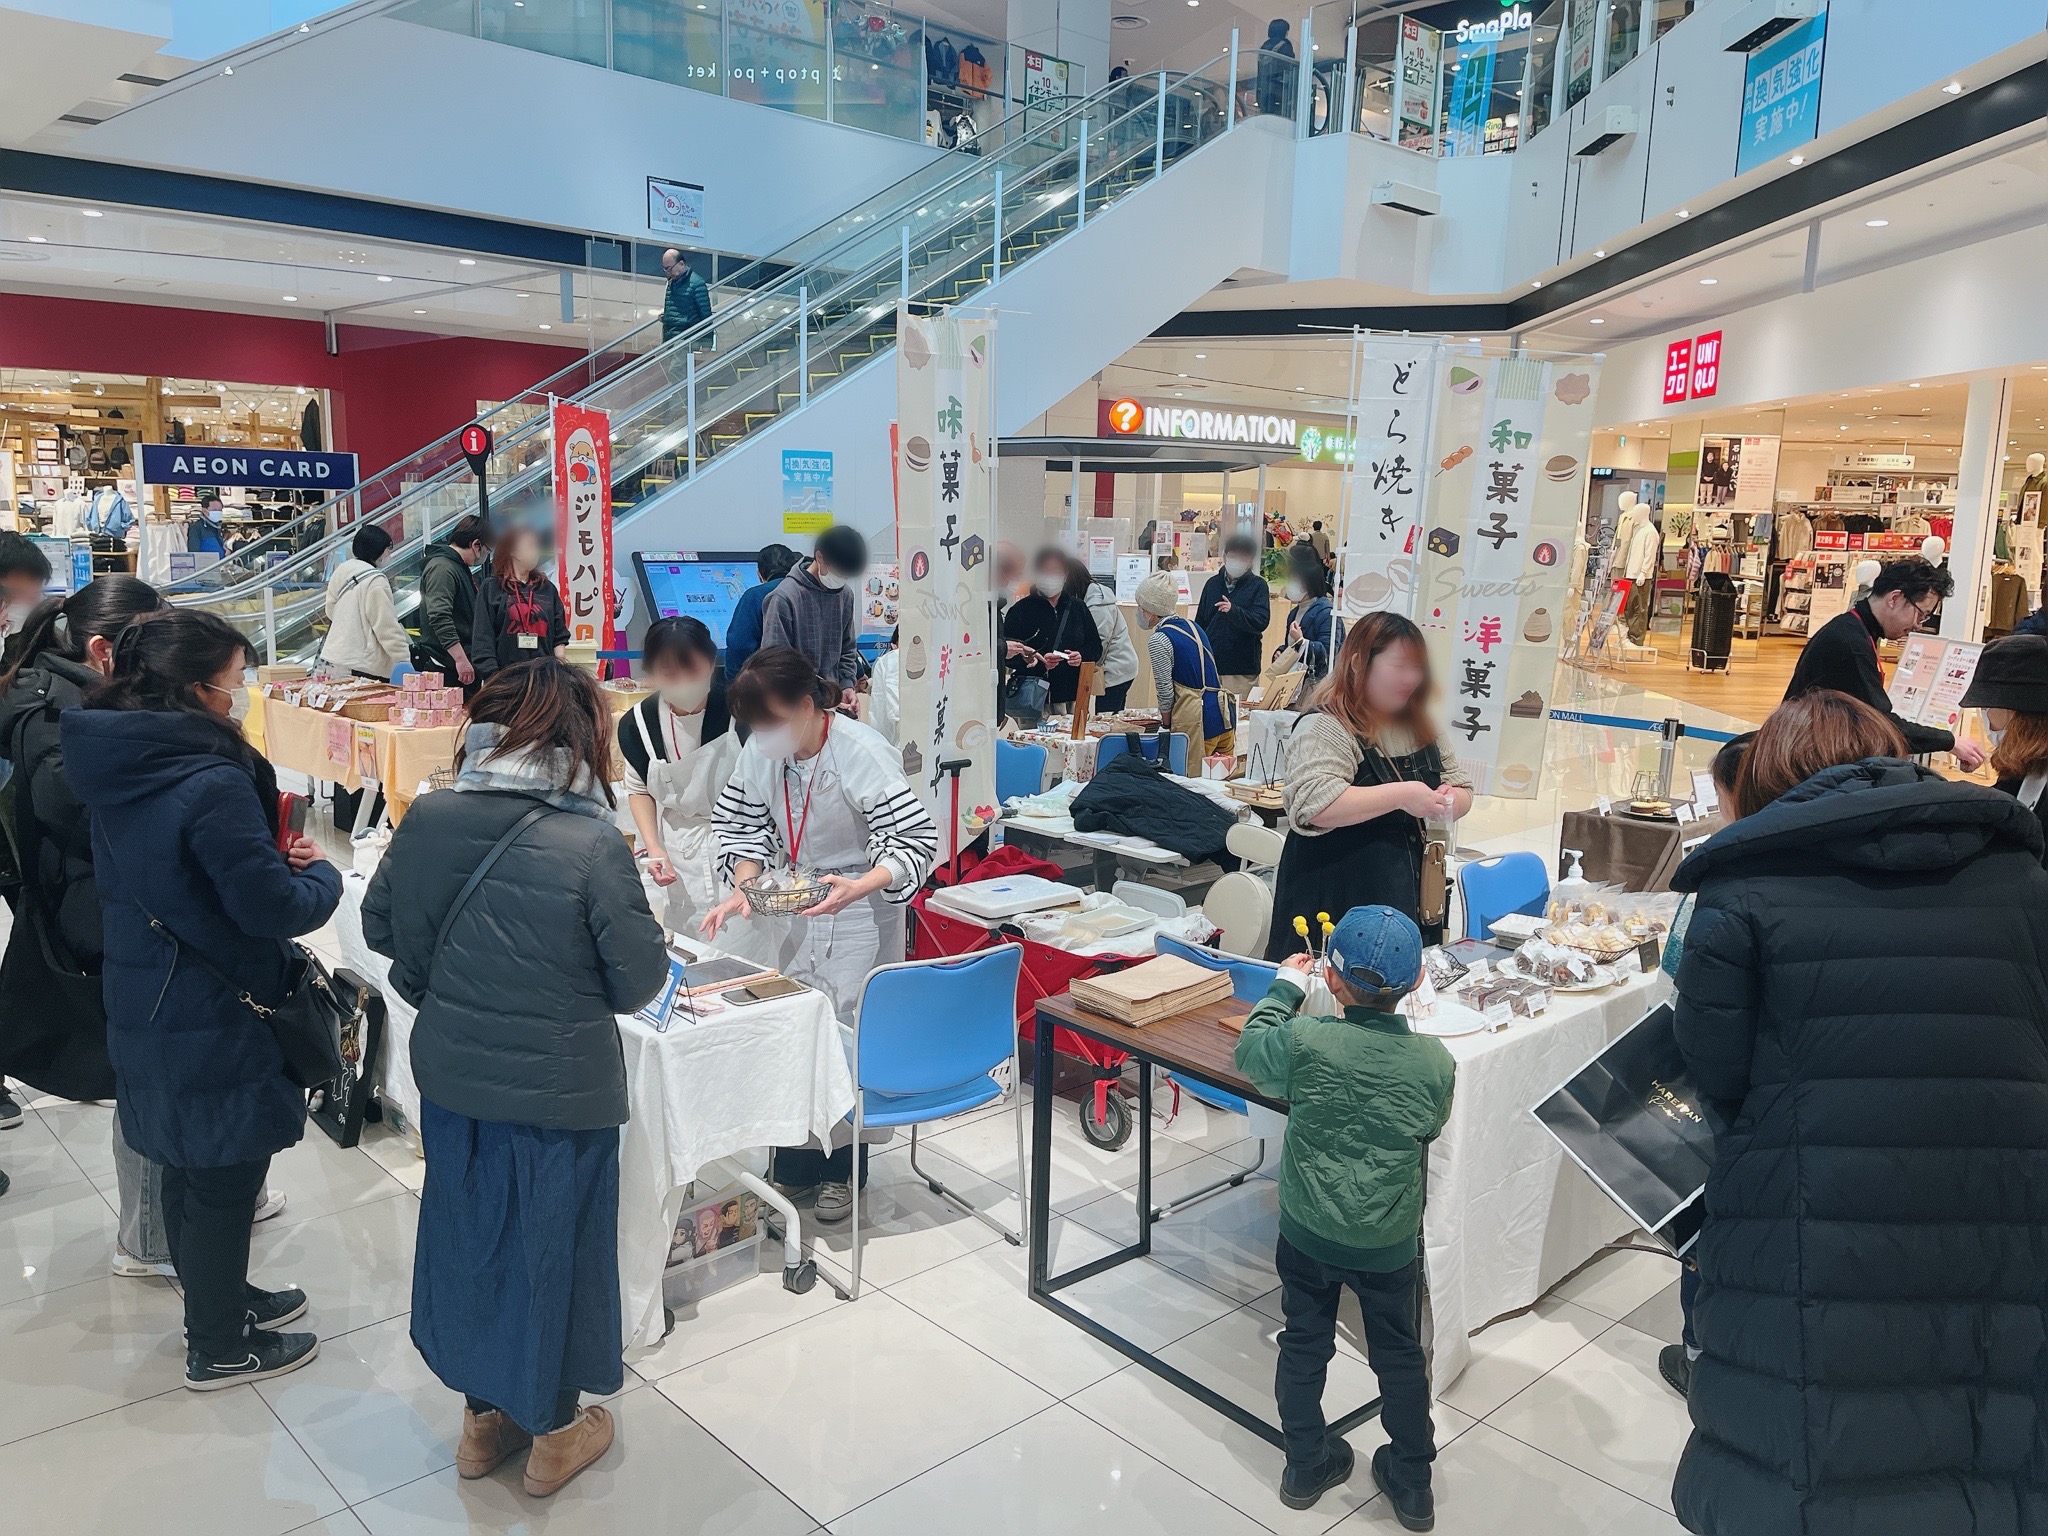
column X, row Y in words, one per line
column 716, row 1244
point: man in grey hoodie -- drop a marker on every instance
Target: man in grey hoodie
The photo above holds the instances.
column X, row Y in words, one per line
column 815, row 610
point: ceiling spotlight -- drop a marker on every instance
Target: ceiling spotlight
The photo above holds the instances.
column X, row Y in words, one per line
column 38, row 239
column 383, row 279
column 1797, row 160
column 1596, row 320
column 1180, row 375
column 545, row 326
column 92, row 213
column 1710, row 282
column 1685, row 213
column 291, row 298
column 1600, row 255
column 419, row 311
column 1953, row 88
column 1912, row 386
column 1201, row 356
column 465, row 261
column 1301, row 389
column 1876, row 223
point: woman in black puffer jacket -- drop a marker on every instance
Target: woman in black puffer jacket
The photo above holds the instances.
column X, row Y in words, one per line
column 1863, row 993
column 515, row 1295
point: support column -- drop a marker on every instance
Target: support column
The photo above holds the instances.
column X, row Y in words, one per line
column 1074, row 30
column 1986, row 420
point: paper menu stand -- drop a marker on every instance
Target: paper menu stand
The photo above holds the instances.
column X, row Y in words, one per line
column 1633, row 1120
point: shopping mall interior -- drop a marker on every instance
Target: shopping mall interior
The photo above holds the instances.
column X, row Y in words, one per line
column 1172, row 483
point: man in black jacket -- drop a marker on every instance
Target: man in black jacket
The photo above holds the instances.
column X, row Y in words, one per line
column 448, row 594
column 1235, row 608
column 1842, row 654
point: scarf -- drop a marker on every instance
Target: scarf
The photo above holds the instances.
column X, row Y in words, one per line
column 552, row 776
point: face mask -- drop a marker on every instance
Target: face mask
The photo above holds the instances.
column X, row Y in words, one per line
column 1237, row 568
column 687, row 697
column 238, row 702
column 831, row 581
column 215, row 514
column 1296, row 591
column 777, row 743
column 15, row 618
column 1050, row 585
column 1997, row 736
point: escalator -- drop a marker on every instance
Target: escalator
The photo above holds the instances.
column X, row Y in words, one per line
column 806, row 320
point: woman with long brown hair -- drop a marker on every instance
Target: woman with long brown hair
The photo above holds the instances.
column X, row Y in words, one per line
column 1366, row 779
column 2011, row 687
column 519, row 612
column 516, row 924
column 1861, row 1009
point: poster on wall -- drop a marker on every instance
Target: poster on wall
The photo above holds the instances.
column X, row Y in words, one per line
column 1781, row 94
column 583, row 520
column 806, row 492
column 1381, row 509
column 1415, row 93
column 675, row 207
column 945, row 538
column 1045, row 82
column 1471, row 97
column 1737, row 474
column 1501, row 511
column 880, row 593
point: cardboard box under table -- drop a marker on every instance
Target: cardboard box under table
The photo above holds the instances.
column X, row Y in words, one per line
column 337, row 750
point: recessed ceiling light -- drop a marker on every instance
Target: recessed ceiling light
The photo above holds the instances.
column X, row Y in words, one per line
column 1596, row 320
column 465, row 261
column 1600, row 255
column 1912, row 386
column 1180, row 375
column 291, row 298
column 1876, row 223
column 1710, row 282
column 419, row 311
column 1301, row 389
column 383, row 279
column 38, row 239
column 1953, row 88
column 545, row 326
column 1797, row 160
column 1201, row 356
column 1537, row 284
column 1685, row 213
column 92, row 213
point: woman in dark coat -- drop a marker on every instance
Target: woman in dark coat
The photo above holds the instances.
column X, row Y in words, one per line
column 1054, row 623
column 1862, row 997
column 185, row 831
column 515, row 1296
column 519, row 614
column 2011, row 687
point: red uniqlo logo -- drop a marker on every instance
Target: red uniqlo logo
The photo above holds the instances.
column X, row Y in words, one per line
column 1706, row 366
column 1678, row 373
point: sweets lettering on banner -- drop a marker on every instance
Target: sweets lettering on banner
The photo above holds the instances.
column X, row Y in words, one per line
column 945, row 456
column 1390, row 414
column 1500, row 514
column 583, row 519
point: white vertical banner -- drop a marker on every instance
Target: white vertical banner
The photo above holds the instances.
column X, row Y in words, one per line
column 1392, row 411
column 1503, row 508
column 945, row 543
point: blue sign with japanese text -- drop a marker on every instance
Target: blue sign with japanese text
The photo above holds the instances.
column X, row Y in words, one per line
column 1781, row 96
column 264, row 468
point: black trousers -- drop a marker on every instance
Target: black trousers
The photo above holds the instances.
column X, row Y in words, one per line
column 1114, row 699
column 1309, row 1292
column 207, row 1216
column 801, row 1167
column 565, row 1408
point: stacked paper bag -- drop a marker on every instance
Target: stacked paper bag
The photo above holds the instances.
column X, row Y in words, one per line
column 1147, row 993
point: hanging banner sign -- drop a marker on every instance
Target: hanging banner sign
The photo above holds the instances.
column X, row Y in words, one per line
column 1382, row 498
column 1781, row 94
column 257, row 468
column 1503, row 506
column 1415, row 98
column 945, row 540
column 583, row 520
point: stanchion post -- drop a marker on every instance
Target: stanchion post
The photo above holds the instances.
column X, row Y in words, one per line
column 1667, row 753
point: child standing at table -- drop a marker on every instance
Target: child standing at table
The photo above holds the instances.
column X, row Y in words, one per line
column 1366, row 1096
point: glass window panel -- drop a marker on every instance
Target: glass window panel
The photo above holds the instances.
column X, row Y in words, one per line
column 569, row 29
column 775, row 54
column 878, row 58
column 680, row 41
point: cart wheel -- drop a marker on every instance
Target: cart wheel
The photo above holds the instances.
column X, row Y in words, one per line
column 800, row 1277
column 1114, row 1128
column 668, row 1321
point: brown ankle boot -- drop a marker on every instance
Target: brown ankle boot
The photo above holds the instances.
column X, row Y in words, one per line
column 559, row 1456
column 487, row 1439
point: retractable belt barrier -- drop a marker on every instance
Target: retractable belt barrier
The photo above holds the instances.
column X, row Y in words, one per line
column 1670, row 730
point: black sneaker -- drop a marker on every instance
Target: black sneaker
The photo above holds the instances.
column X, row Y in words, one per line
column 1415, row 1509
column 10, row 1111
column 1675, row 1366
column 266, row 1355
column 271, row 1310
column 1300, row 1490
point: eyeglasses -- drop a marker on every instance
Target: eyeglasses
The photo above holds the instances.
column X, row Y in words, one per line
column 1921, row 616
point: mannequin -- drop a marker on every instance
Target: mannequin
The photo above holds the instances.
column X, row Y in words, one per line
column 1641, row 546
column 1867, row 571
column 1934, row 548
column 2037, row 479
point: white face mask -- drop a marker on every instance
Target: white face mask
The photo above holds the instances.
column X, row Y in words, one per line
column 1238, row 568
column 215, row 514
column 1050, row 585
column 688, row 696
column 777, row 742
column 831, row 581
column 15, row 617
column 238, row 702
column 1296, row 591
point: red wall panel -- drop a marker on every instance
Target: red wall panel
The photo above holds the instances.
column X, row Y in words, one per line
column 393, row 391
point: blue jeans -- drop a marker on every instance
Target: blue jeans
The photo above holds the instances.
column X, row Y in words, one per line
column 143, row 1233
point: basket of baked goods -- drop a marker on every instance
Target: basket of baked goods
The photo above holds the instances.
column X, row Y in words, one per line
column 1604, row 930
column 1556, row 967
column 784, row 892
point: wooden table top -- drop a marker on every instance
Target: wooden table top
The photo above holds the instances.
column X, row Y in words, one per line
column 1202, row 1041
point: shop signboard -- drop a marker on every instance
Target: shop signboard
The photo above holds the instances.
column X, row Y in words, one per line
column 1380, row 513
column 806, row 492
column 675, row 208
column 945, row 542
column 583, row 519
column 1501, row 511
column 1706, row 365
column 258, row 468
column 1416, row 82
column 1781, row 94
column 1678, row 372
column 1830, row 538
column 1932, row 676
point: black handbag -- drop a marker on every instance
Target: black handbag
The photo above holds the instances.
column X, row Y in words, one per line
column 342, row 1107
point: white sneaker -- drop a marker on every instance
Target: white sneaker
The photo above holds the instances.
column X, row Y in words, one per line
column 272, row 1204
column 835, row 1202
column 129, row 1267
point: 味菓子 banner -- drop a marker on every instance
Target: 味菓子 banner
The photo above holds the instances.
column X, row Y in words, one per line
column 583, row 520
column 1502, row 513
column 945, row 544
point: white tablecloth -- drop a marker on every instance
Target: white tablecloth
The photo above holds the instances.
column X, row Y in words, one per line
column 771, row 1074
column 1508, row 1215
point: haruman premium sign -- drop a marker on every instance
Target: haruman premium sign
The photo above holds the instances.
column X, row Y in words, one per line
column 1128, row 418
column 263, row 468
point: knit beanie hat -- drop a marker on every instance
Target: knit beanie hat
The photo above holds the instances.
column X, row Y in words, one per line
column 1159, row 595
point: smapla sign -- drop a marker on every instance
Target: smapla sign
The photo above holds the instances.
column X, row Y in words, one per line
column 1516, row 18
column 1128, row 418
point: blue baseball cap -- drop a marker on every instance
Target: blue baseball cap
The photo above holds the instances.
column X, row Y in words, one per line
column 1377, row 949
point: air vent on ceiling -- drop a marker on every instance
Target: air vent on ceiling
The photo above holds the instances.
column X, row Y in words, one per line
column 1128, row 23
column 1754, row 24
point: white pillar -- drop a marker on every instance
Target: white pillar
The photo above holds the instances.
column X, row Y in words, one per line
column 1075, row 30
column 1985, row 422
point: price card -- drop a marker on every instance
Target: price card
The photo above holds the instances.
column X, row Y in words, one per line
column 1606, row 806
column 1479, row 970
column 1421, row 1003
column 340, row 743
column 1703, row 795
column 1685, row 813
column 1630, row 964
column 1499, row 1015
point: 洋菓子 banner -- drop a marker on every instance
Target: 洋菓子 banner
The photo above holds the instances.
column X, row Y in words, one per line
column 583, row 520
column 1502, row 512
column 945, row 542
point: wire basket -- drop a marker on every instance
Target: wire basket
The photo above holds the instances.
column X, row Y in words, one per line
column 441, row 778
column 783, row 900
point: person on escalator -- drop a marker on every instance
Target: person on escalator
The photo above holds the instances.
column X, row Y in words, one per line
column 687, row 301
column 519, row 612
column 204, row 534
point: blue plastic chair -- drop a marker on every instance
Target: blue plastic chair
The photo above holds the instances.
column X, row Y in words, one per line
column 1020, row 769
column 1492, row 888
column 928, row 1036
column 1249, row 980
column 1113, row 747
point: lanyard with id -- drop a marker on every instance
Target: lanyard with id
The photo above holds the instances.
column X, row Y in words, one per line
column 790, row 821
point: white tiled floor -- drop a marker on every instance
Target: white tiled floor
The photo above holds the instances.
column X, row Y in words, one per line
column 944, row 1400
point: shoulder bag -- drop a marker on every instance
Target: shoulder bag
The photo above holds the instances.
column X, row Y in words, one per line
column 1434, row 898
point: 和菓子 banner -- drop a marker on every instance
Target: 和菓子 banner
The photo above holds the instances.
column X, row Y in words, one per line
column 583, row 520
column 945, row 543
column 1502, row 512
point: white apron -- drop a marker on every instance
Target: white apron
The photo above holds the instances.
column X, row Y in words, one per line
column 685, row 791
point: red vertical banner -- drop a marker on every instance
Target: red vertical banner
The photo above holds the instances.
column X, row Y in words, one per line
column 1678, row 372
column 583, row 520
column 1706, row 365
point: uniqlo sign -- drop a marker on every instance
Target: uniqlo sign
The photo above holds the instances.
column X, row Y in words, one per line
column 1692, row 369
column 1678, row 373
